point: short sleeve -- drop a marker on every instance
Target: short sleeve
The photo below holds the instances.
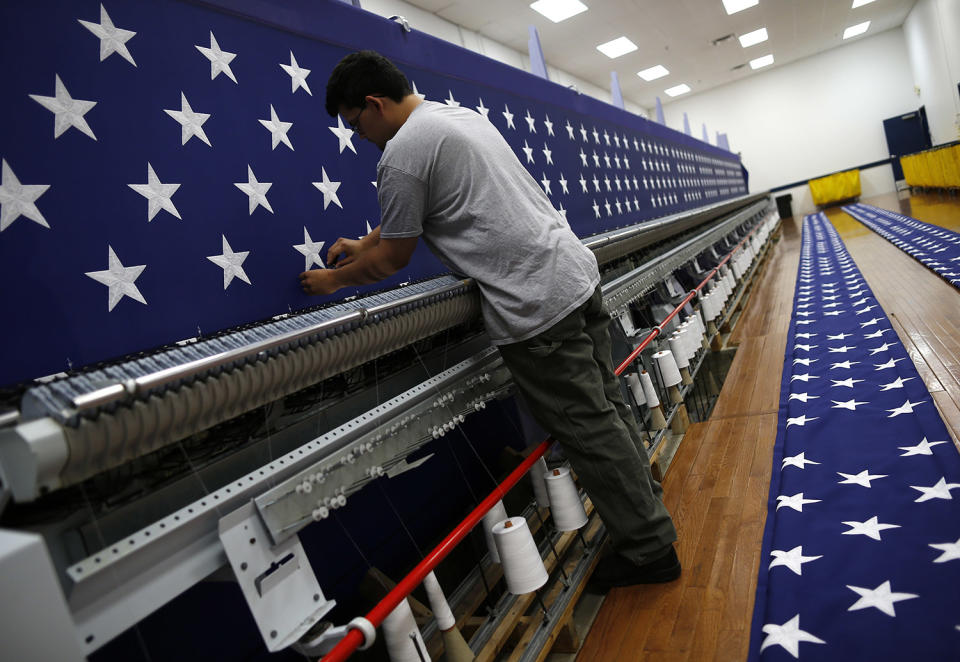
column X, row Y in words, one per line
column 403, row 203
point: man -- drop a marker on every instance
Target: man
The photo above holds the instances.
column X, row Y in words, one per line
column 448, row 176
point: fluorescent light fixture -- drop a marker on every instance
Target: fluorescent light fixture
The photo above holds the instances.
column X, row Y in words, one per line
column 653, row 73
column 860, row 3
column 855, row 30
column 558, row 10
column 761, row 62
column 752, row 38
column 617, row 47
column 677, row 90
column 733, row 6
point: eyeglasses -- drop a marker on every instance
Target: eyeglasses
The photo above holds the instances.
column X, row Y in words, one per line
column 353, row 124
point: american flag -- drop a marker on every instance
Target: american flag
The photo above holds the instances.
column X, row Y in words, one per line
column 861, row 552
column 937, row 248
column 168, row 168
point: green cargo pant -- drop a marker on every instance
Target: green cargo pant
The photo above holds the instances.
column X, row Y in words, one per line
column 566, row 376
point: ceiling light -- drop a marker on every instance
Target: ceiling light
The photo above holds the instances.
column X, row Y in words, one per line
column 683, row 88
column 617, row 47
column 854, row 30
column 653, row 73
column 752, row 38
column 860, row 3
column 558, row 10
column 761, row 62
column 733, row 6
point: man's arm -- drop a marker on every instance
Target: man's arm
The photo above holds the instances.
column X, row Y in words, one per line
column 371, row 265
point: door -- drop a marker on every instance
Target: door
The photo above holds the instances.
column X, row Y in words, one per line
column 906, row 134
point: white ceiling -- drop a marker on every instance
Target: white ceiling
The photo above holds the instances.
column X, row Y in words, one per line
column 679, row 34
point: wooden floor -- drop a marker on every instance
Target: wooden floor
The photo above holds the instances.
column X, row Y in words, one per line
column 716, row 487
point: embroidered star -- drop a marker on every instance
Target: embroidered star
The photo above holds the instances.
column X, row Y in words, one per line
column 583, row 183
column 941, row 490
column 583, row 132
column 863, row 478
column 951, row 552
column 870, row 528
column 531, row 122
column 596, row 209
column 157, row 194
column 548, row 124
column 849, row 404
column 278, row 130
column 120, row 280
column 804, row 347
column 870, row 323
column 789, row 635
column 806, row 335
column 882, row 348
column 563, row 184
column 798, row 461
column 298, row 75
column 231, row 263
column 799, row 420
column 546, row 184
column 256, row 191
column 547, row 153
column 191, row 123
column 905, row 408
column 793, row 559
column 923, row 448
column 805, row 362
column 18, row 199
column 866, row 309
column 112, row 39
column 844, row 364
column 889, row 364
column 833, row 313
column 310, row 250
column 843, row 349
column 803, row 397
column 329, row 190
column 796, row 501
column 219, row 59
column 67, row 111
column 528, row 150
column 450, row 101
column 876, row 334
column 343, row 133
column 483, row 110
column 416, row 92
column 569, row 128
column 881, row 597
column 803, row 377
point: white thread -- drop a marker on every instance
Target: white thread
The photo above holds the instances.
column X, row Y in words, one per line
column 400, row 633
column 667, row 368
column 678, row 349
column 648, row 389
column 633, row 379
column 496, row 514
column 438, row 603
column 539, row 487
column 565, row 505
column 522, row 566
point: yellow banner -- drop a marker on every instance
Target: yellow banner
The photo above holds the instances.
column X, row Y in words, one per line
column 841, row 186
column 935, row 168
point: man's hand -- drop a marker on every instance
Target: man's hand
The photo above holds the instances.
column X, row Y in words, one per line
column 347, row 248
column 319, row 281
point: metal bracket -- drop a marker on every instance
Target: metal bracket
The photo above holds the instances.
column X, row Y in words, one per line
column 402, row 22
column 281, row 590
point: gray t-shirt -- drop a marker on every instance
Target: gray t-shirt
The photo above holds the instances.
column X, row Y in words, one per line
column 449, row 176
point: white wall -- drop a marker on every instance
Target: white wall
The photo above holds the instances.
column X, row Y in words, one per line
column 441, row 28
column 932, row 32
column 811, row 117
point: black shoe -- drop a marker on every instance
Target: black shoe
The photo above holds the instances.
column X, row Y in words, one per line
column 618, row 571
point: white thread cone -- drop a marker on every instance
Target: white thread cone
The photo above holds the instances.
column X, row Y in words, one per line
column 667, row 369
column 539, row 488
column 496, row 514
column 455, row 647
column 678, row 348
column 397, row 630
column 565, row 505
column 636, row 388
column 522, row 566
column 649, row 391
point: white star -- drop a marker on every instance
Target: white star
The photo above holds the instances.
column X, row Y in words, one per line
column 870, row 528
column 278, row 130
column 298, row 75
column 120, row 280
column 923, row 448
column 892, row 363
column 870, row 323
column 450, row 101
column 798, row 461
column 843, row 349
column 18, row 199
column 596, row 136
column 329, row 189
column 231, row 263
column 191, row 123
column 548, row 124
column 547, row 153
column 157, row 194
column 803, row 397
column 344, row 134
column 563, row 212
column 951, row 551
column 805, row 362
column 882, row 348
column 530, row 122
column 803, row 377
column 849, row 382
column 219, row 60
column 805, row 347
column 256, row 191
column 793, row 559
column 905, row 408
column 866, row 309
column 583, row 132
column 508, row 116
column 546, row 184
column 596, row 209
column 416, row 92
column 310, row 250
column 939, row 491
column 583, row 183
column 844, row 364
column 863, row 478
column 834, row 313
column 849, row 404
column 67, row 111
column 569, row 128
column 806, row 335
column 563, row 184
column 112, row 39
column 483, row 110
column 796, row 501
column 789, row 635
column 881, row 597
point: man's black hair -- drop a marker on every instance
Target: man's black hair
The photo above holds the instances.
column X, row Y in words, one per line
column 361, row 74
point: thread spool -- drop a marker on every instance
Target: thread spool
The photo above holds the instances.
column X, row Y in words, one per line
column 455, row 647
column 657, row 420
column 680, row 350
column 667, row 370
column 636, row 388
column 496, row 514
column 698, row 318
column 566, row 507
column 522, row 566
column 539, row 487
column 402, row 636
